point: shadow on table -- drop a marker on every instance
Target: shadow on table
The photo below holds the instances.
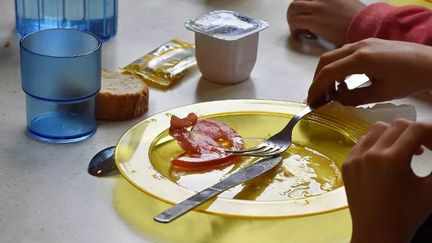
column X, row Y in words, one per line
column 137, row 209
column 310, row 47
column 208, row 91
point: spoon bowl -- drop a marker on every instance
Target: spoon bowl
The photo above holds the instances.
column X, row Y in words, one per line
column 103, row 162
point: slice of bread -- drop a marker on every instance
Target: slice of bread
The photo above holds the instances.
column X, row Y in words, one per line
column 121, row 97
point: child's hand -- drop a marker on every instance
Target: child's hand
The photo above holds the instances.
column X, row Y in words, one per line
column 396, row 69
column 326, row 18
column 387, row 201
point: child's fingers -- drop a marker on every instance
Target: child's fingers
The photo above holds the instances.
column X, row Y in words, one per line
column 302, row 8
column 412, row 138
column 427, row 144
column 419, row 151
column 305, row 22
column 334, row 55
column 295, row 32
column 371, row 138
column 358, row 96
column 328, row 75
column 392, row 133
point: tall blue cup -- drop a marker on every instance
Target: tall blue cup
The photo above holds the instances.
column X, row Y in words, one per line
column 96, row 16
column 61, row 75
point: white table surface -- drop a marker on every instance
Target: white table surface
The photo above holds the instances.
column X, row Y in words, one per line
column 46, row 194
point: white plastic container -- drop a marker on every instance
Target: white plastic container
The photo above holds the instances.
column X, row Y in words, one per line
column 226, row 45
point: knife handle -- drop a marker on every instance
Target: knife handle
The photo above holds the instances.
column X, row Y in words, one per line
column 187, row 205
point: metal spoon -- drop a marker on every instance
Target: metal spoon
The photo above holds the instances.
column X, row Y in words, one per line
column 103, row 162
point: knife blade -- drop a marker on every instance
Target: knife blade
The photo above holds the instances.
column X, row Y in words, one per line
column 245, row 174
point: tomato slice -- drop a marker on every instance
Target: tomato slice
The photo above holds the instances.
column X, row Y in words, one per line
column 205, row 143
column 189, row 121
column 219, row 131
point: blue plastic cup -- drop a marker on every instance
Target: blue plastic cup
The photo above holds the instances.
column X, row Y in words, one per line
column 96, row 16
column 61, row 75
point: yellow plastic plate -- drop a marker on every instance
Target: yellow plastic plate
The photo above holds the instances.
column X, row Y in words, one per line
column 308, row 181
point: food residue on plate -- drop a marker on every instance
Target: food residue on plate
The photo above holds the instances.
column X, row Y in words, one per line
column 304, row 172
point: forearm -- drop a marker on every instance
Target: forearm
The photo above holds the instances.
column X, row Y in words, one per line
column 410, row 23
column 424, row 67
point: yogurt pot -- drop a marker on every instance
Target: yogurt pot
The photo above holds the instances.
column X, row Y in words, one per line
column 226, row 44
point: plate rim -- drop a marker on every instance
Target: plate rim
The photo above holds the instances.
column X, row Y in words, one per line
column 208, row 209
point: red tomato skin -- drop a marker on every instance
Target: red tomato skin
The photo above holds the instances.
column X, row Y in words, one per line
column 201, row 143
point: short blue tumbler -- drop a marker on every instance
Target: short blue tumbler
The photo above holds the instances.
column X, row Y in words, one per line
column 61, row 75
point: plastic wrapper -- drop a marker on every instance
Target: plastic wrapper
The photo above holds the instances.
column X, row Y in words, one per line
column 165, row 65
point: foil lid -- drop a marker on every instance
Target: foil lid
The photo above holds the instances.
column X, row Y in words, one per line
column 226, row 25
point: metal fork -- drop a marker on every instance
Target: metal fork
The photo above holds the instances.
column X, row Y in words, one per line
column 277, row 143
column 281, row 141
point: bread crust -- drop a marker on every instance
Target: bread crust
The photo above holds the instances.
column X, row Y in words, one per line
column 111, row 106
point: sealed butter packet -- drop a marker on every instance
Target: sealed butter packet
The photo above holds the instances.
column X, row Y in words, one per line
column 165, row 65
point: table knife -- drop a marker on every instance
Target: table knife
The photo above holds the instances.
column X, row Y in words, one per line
column 245, row 174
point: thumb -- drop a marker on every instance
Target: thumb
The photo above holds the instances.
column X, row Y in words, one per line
column 357, row 96
column 419, row 151
column 428, row 144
